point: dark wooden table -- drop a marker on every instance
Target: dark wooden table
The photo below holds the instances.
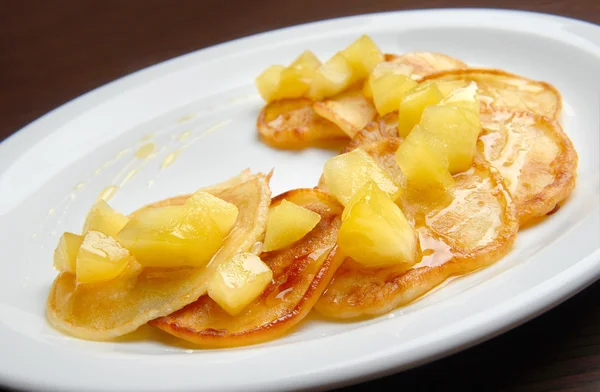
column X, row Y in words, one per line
column 54, row 51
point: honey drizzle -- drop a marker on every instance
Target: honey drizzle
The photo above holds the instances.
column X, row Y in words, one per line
column 513, row 154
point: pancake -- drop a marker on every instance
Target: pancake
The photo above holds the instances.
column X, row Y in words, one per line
column 300, row 274
column 382, row 127
column 535, row 157
column 460, row 230
column 426, row 63
column 294, row 124
column 102, row 311
column 500, row 90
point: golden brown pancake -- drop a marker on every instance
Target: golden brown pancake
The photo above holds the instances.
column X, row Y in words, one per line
column 382, row 127
column 300, row 274
column 426, row 63
column 500, row 90
column 461, row 230
column 293, row 124
column 535, row 157
column 102, row 311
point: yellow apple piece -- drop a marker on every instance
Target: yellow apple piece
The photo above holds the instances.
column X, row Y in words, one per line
column 172, row 236
column 65, row 254
column 388, row 91
column 385, row 68
column 100, row 258
column 376, row 233
column 105, row 219
column 287, row 223
column 413, row 104
column 267, row 82
column 363, row 55
column 331, row 78
column 296, row 79
column 423, row 159
column 458, row 128
column 224, row 214
column 239, row 281
column 347, row 173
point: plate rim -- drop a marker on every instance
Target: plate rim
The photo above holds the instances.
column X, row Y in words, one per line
column 549, row 293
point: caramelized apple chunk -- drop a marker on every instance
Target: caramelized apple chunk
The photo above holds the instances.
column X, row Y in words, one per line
column 413, row 104
column 239, row 281
column 172, row 236
column 296, row 79
column 306, row 76
column 100, row 258
column 104, row 219
column 293, row 81
column 362, row 55
column 456, row 121
column 65, row 254
column 458, row 129
column 385, row 68
column 345, row 174
column 224, row 214
column 375, row 232
column 288, row 223
column 423, row 159
column 388, row 91
column 267, row 82
column 331, row 78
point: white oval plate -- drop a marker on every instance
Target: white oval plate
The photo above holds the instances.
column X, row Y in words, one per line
column 52, row 171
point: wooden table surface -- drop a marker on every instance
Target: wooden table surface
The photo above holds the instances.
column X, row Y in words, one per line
column 52, row 52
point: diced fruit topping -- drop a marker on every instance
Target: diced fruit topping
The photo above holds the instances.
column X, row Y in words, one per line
column 172, row 236
column 331, row 78
column 224, row 214
column 458, row 127
column 385, row 68
column 286, row 224
column 100, row 258
column 388, row 90
column 65, row 254
column 376, row 233
column 238, row 282
column 345, row 174
column 423, row 159
column 104, row 219
column 364, row 192
column 296, row 79
column 363, row 55
column 413, row 104
column 267, row 82
column 308, row 77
